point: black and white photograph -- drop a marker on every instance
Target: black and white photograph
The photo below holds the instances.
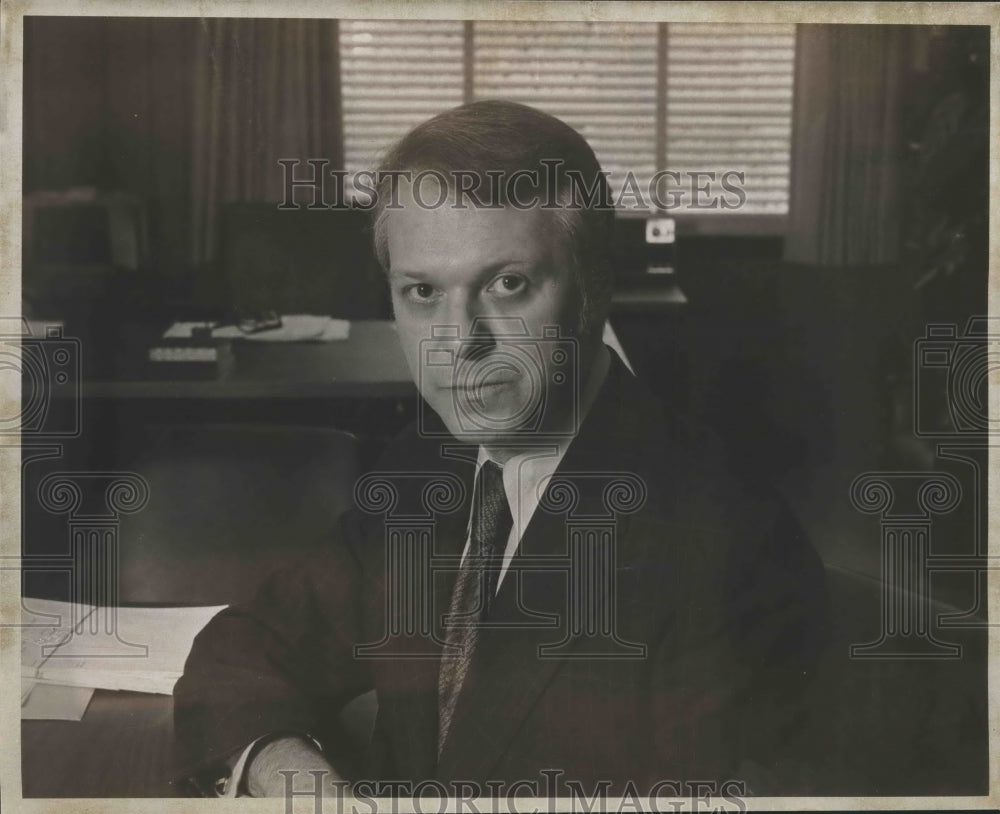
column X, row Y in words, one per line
column 498, row 407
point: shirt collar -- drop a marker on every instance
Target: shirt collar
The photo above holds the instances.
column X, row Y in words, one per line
column 525, row 472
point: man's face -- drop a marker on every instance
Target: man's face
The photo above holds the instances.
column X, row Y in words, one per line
column 473, row 290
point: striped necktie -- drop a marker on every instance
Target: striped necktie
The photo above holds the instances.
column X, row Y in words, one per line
column 474, row 587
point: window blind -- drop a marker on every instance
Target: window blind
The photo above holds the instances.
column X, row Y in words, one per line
column 729, row 106
column 394, row 75
column 682, row 97
column 600, row 78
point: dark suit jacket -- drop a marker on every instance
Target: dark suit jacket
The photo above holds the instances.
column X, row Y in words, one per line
column 712, row 577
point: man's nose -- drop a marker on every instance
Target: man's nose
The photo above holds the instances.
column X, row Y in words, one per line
column 473, row 329
column 477, row 338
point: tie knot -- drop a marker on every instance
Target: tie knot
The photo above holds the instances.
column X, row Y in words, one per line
column 492, row 476
column 491, row 521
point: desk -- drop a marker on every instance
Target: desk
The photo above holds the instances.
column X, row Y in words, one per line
column 647, row 297
column 361, row 384
column 121, row 748
column 368, row 364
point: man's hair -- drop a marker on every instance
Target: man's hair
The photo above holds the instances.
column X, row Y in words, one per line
column 497, row 141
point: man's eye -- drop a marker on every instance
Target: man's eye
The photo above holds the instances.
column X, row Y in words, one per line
column 421, row 292
column 508, row 284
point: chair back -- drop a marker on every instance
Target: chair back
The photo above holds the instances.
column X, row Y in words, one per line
column 228, row 504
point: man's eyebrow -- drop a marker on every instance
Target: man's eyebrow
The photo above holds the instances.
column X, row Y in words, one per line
column 413, row 275
column 487, row 271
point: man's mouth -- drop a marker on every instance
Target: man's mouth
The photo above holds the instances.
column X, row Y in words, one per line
column 486, row 383
column 481, row 387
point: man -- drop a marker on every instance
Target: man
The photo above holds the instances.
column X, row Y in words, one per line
column 550, row 575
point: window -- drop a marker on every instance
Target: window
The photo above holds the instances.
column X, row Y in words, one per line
column 394, row 75
column 729, row 106
column 599, row 79
column 688, row 98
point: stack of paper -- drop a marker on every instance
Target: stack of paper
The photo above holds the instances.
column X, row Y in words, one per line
column 139, row 649
column 44, row 626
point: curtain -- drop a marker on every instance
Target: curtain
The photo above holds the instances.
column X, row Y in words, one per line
column 107, row 104
column 847, row 152
column 264, row 90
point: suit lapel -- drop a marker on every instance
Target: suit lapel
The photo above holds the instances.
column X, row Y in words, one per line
column 509, row 670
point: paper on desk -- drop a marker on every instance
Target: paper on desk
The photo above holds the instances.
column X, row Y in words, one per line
column 140, row 649
column 45, row 624
column 184, row 330
column 51, row 702
column 304, row 327
column 294, row 328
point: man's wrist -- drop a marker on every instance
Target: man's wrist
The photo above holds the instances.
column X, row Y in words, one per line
column 270, row 756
